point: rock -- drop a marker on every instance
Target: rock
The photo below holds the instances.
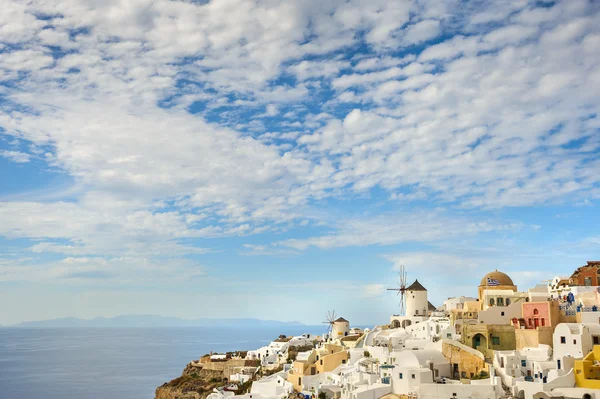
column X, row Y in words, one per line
column 194, row 383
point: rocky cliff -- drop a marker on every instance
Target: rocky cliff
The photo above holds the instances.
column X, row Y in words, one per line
column 194, row 383
column 198, row 379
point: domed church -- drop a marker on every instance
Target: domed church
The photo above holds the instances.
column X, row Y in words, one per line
column 497, row 289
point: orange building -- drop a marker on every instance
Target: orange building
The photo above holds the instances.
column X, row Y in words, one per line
column 587, row 275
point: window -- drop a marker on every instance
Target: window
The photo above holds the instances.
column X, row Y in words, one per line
column 400, row 375
column 501, row 313
column 507, row 301
column 574, row 342
column 413, row 376
column 343, row 361
column 463, row 374
column 492, row 302
column 523, row 363
column 500, row 301
column 587, row 281
column 596, row 340
column 536, row 312
column 495, row 340
column 563, row 340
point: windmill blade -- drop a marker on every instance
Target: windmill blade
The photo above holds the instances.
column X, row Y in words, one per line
column 402, row 311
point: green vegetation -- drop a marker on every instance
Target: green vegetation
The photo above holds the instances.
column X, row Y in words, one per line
column 481, row 376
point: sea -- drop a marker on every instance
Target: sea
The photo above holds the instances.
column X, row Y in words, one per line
column 114, row 362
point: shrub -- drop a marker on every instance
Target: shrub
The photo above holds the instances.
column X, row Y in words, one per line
column 481, row 376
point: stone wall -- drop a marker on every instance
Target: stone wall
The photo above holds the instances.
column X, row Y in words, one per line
column 470, row 362
column 533, row 338
column 226, row 368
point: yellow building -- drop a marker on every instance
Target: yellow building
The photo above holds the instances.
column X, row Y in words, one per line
column 487, row 338
column 587, row 371
column 465, row 362
column 320, row 360
column 468, row 313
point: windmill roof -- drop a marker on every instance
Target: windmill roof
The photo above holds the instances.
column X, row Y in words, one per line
column 416, row 286
column 341, row 320
column 431, row 306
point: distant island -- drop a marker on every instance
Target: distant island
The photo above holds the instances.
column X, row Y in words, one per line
column 154, row 321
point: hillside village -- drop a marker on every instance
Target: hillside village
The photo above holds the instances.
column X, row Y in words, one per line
column 542, row 342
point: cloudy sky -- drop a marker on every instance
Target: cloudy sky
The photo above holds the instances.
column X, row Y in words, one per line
column 279, row 158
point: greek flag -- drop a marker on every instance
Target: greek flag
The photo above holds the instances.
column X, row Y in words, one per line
column 492, row 282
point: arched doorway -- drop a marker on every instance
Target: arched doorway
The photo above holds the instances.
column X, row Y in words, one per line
column 587, row 396
column 406, row 323
column 479, row 340
column 395, row 324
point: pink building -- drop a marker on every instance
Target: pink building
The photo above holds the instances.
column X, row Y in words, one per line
column 538, row 314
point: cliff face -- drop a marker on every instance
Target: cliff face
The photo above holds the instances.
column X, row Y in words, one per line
column 194, row 383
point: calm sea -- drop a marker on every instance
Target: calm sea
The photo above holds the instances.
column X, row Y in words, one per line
column 128, row 363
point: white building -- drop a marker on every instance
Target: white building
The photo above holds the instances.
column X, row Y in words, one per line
column 414, row 368
column 417, row 304
column 457, row 303
column 530, row 363
column 272, row 354
column 340, row 328
column 418, row 308
column 274, row 386
column 575, row 340
column 303, row 340
column 432, row 329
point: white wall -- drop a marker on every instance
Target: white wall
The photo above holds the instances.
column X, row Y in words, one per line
column 407, row 383
column 373, row 392
column 576, row 345
column 531, row 388
column 462, row 391
column 416, row 303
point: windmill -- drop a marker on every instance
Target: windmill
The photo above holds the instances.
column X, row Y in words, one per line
column 401, row 290
column 330, row 320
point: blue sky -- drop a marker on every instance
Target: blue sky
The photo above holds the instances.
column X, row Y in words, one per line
column 276, row 159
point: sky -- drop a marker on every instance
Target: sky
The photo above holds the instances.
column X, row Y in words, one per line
column 281, row 158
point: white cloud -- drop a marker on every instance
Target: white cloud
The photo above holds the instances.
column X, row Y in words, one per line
column 101, row 271
column 16, row 156
column 394, row 229
column 483, row 119
column 315, row 69
column 373, row 290
column 421, row 32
